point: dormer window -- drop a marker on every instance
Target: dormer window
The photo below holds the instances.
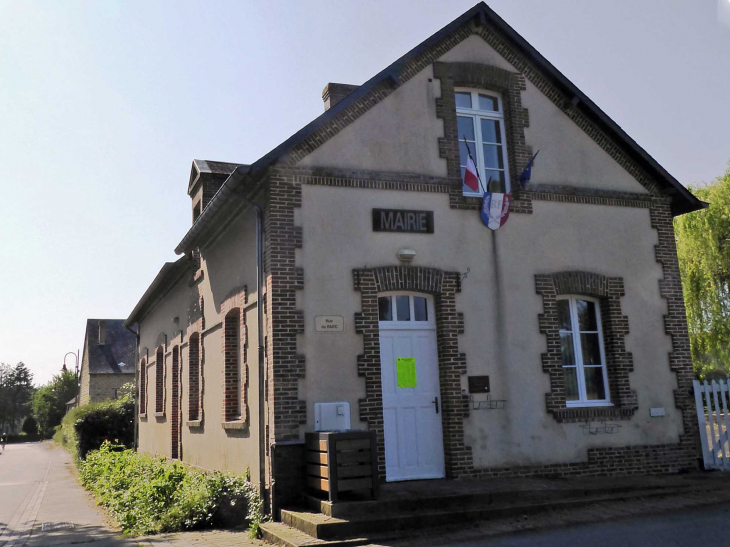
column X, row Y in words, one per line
column 480, row 122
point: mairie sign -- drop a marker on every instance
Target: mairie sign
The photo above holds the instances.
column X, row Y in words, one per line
column 402, row 220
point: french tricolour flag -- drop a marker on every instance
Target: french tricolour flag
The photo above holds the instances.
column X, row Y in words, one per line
column 470, row 175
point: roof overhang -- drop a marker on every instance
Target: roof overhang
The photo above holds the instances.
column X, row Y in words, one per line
column 167, row 276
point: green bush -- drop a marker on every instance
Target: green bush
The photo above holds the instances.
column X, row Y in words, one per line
column 85, row 428
column 147, row 495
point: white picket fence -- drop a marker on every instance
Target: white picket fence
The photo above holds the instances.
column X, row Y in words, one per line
column 712, row 417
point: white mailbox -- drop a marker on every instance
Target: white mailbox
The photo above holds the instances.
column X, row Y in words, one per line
column 332, row 416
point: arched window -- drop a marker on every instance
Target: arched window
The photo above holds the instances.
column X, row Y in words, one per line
column 480, row 124
column 160, row 381
column 194, row 377
column 143, row 387
column 232, row 366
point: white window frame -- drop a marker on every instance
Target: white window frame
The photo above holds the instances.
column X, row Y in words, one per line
column 583, row 400
column 411, row 324
column 477, row 114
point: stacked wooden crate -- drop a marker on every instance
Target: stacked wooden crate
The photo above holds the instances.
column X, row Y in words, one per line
column 340, row 462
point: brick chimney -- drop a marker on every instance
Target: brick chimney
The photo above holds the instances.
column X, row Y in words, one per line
column 334, row 93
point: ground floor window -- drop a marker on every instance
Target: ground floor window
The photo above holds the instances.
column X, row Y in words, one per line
column 583, row 354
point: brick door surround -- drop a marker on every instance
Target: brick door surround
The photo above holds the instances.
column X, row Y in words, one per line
column 452, row 364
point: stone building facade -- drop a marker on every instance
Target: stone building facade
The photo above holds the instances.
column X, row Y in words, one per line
column 107, row 362
column 556, row 344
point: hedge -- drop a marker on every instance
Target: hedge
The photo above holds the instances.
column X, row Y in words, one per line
column 147, row 495
column 85, row 428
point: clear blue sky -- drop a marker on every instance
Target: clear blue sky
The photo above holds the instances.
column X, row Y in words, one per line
column 104, row 105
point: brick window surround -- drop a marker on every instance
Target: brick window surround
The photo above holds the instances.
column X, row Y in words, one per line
column 509, row 85
column 194, row 377
column 175, row 414
column 143, row 387
column 160, row 381
column 619, row 362
column 452, row 364
column 234, row 404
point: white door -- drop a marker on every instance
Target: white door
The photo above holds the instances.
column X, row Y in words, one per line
column 414, row 447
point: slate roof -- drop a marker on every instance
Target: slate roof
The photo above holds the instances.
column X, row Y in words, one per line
column 219, row 168
column 116, row 356
column 682, row 200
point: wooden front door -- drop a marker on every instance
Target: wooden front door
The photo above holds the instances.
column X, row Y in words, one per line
column 411, row 394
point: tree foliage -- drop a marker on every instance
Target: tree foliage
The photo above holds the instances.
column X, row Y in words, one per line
column 49, row 402
column 16, row 389
column 703, row 247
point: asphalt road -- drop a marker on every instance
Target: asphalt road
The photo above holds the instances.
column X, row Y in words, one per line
column 698, row 527
column 41, row 504
column 22, row 468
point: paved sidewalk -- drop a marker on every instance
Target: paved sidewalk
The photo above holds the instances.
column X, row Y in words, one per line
column 42, row 504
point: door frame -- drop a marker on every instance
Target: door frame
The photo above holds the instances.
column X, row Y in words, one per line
column 429, row 325
column 443, row 286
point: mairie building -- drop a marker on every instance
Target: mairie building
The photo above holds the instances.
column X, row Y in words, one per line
column 350, row 279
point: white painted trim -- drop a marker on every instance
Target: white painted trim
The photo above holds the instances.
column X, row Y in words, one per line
column 476, row 114
column 583, row 400
column 412, row 324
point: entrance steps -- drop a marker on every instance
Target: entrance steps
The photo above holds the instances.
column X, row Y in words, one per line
column 351, row 523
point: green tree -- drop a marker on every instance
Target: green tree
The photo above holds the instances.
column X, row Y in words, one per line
column 16, row 389
column 49, row 402
column 30, row 426
column 703, row 247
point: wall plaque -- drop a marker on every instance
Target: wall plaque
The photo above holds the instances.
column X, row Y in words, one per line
column 329, row 323
column 402, row 220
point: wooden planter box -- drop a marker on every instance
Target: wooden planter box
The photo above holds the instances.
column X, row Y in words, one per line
column 342, row 462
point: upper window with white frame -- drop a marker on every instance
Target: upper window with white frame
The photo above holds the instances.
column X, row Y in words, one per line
column 480, row 121
column 584, row 357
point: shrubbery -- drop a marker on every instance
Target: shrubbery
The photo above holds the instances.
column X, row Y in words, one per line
column 86, row 427
column 147, row 495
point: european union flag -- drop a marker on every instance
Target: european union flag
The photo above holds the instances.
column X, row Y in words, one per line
column 527, row 171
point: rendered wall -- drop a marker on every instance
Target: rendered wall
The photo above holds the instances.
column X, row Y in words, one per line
column 613, row 241
column 401, row 134
column 228, row 264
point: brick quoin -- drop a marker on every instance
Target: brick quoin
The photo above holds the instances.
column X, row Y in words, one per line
column 283, row 278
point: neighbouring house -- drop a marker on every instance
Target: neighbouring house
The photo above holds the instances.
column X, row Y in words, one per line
column 554, row 345
column 107, row 362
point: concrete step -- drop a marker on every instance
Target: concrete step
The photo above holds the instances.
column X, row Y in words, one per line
column 462, row 501
column 327, row 528
column 281, row 534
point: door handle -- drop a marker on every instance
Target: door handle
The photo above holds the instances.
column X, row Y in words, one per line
column 436, row 402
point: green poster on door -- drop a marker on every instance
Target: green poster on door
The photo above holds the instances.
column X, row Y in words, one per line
column 406, row 371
